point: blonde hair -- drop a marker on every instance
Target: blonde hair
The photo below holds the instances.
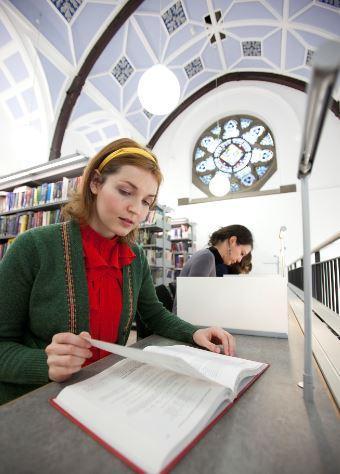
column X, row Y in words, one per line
column 81, row 205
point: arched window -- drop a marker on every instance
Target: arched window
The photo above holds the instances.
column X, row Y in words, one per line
column 239, row 148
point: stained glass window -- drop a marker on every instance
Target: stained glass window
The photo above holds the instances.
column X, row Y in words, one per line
column 241, row 148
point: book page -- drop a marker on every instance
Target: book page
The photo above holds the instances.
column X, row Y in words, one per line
column 222, row 369
column 219, row 368
column 143, row 411
column 165, row 361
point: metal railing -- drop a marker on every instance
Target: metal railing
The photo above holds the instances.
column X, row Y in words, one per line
column 325, row 277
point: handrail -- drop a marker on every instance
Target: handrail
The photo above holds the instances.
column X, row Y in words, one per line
column 324, row 244
column 327, row 242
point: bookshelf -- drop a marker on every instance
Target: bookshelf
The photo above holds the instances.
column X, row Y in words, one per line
column 34, row 197
column 182, row 236
column 154, row 237
column 68, row 166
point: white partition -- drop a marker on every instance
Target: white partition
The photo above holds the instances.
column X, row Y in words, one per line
column 243, row 304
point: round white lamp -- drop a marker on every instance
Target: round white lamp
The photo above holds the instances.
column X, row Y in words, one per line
column 158, row 90
column 219, row 185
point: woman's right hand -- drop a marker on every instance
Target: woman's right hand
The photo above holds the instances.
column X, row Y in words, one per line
column 66, row 354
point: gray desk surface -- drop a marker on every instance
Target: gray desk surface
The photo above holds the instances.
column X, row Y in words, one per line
column 269, row 430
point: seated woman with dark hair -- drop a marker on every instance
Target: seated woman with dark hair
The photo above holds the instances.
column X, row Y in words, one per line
column 227, row 246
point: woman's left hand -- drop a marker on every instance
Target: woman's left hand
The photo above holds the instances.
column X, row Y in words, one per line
column 209, row 337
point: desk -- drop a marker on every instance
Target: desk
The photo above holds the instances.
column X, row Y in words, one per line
column 269, row 430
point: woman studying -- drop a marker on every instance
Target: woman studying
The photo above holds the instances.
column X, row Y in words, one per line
column 227, row 247
column 86, row 275
column 243, row 267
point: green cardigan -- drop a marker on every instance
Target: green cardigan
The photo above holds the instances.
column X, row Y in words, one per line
column 43, row 291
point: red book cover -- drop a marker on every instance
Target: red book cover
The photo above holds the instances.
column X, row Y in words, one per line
column 186, row 448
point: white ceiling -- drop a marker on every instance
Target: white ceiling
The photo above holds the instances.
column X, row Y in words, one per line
column 43, row 44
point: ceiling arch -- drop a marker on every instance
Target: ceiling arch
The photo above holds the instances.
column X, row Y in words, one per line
column 201, row 41
column 238, row 76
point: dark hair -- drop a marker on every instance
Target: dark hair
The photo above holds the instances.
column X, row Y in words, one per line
column 242, row 234
column 82, row 202
column 245, row 266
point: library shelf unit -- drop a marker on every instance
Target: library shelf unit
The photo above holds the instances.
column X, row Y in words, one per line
column 154, row 237
column 183, row 236
column 51, row 171
column 34, row 196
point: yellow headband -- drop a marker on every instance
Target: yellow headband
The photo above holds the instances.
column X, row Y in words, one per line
column 125, row 151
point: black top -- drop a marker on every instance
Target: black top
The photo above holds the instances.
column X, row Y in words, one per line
column 217, row 255
column 221, row 268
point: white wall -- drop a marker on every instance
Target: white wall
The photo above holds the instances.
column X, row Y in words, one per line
column 283, row 110
column 21, row 146
column 75, row 142
column 5, row 145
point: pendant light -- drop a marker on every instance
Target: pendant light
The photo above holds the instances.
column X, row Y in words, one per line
column 219, row 185
column 159, row 90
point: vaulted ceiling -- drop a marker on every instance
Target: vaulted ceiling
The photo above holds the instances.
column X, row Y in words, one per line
column 44, row 43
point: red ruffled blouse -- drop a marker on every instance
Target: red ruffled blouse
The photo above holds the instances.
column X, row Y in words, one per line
column 104, row 260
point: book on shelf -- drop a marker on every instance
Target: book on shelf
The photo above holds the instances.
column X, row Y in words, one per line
column 46, row 193
column 150, row 408
column 154, row 217
column 64, row 188
column 22, row 223
column 167, row 258
column 154, row 239
column 69, row 186
column 169, row 276
column 3, row 201
column 154, row 257
column 182, row 231
column 144, row 237
column 179, row 261
column 181, row 246
column 14, row 224
column 4, row 247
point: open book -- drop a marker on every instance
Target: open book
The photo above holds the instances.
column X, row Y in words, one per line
column 150, row 407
